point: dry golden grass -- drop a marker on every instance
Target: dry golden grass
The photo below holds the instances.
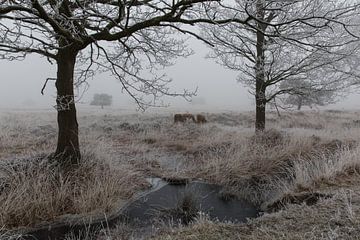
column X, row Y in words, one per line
column 301, row 152
column 33, row 191
column 316, row 153
column 38, row 193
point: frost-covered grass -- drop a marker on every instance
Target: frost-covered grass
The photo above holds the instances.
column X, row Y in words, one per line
column 33, row 190
column 305, row 151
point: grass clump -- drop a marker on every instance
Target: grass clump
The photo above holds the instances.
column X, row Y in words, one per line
column 34, row 191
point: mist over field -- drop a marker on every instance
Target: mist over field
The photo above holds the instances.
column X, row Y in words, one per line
column 130, row 126
column 218, row 89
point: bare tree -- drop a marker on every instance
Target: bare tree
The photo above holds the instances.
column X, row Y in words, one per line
column 130, row 38
column 101, row 99
column 304, row 94
column 306, row 40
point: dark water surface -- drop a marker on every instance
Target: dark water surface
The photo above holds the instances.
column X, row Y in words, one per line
column 169, row 200
column 178, row 203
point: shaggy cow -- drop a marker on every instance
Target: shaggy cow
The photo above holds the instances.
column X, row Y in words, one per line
column 200, row 118
column 183, row 117
column 187, row 116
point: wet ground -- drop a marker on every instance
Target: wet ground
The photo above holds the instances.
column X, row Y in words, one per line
column 182, row 203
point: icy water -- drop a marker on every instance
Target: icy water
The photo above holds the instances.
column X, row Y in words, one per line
column 182, row 202
column 163, row 202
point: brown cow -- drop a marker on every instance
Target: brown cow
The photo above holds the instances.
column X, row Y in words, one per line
column 200, row 118
column 183, row 117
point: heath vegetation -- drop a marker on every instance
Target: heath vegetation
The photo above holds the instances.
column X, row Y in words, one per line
column 282, row 170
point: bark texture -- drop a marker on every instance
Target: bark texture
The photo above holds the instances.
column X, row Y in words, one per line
column 67, row 151
column 260, row 97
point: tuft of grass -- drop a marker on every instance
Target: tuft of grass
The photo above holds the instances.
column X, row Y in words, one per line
column 325, row 168
column 185, row 211
column 269, row 138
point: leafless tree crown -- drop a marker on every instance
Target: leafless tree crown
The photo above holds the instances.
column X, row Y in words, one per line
column 313, row 42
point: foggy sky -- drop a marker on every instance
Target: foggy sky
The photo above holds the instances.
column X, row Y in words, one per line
column 21, row 83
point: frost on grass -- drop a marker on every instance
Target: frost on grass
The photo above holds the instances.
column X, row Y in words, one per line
column 295, row 157
column 34, row 190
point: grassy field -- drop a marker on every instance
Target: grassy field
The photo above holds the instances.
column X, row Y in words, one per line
column 303, row 171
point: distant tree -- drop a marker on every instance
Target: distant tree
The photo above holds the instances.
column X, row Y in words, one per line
column 308, row 40
column 304, row 94
column 102, row 100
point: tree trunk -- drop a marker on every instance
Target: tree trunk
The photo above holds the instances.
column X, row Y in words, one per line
column 67, row 151
column 277, row 109
column 260, row 111
column 260, row 87
column 299, row 104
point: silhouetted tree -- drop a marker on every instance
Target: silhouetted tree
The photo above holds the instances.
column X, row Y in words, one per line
column 102, row 100
column 307, row 40
column 304, row 94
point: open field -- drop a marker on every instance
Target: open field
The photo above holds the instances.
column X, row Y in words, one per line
column 309, row 159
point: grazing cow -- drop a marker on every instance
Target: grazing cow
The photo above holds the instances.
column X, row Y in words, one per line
column 183, row 117
column 200, row 118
